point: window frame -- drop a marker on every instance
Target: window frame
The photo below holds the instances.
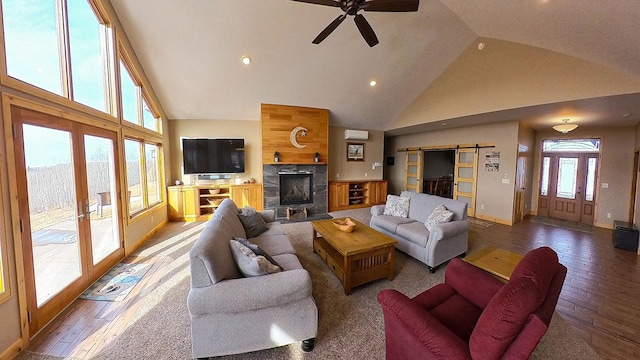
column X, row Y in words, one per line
column 65, row 99
column 142, row 96
column 146, row 206
column 4, row 255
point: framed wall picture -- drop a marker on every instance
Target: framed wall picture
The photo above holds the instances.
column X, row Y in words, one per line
column 355, row 151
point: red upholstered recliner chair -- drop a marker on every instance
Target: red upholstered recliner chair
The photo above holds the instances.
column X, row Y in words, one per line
column 473, row 315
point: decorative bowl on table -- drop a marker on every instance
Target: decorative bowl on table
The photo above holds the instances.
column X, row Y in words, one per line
column 345, row 224
column 214, row 191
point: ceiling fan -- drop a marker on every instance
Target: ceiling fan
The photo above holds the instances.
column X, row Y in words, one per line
column 352, row 7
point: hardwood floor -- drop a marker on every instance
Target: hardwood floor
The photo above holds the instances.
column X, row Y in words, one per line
column 600, row 297
column 601, row 293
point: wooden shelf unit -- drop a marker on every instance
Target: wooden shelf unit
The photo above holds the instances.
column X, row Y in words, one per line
column 356, row 194
column 198, row 203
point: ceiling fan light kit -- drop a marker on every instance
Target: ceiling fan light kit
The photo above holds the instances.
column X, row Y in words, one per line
column 352, row 7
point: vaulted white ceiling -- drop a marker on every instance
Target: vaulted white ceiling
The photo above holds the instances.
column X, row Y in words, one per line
column 191, row 51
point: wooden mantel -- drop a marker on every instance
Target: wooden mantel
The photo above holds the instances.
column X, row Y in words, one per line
column 282, row 129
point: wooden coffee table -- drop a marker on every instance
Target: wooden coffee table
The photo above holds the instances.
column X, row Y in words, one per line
column 357, row 257
column 496, row 261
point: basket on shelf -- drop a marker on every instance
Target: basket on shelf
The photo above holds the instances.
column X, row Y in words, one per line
column 214, row 191
column 345, row 224
column 214, row 202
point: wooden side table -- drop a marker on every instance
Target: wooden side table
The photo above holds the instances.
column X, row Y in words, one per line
column 496, row 261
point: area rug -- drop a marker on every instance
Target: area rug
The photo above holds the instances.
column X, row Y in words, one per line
column 117, row 283
column 572, row 225
column 480, row 223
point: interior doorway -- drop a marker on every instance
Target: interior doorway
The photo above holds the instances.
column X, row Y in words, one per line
column 439, row 167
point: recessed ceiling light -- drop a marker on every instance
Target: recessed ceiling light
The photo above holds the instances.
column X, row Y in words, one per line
column 373, row 83
column 480, row 46
column 246, row 60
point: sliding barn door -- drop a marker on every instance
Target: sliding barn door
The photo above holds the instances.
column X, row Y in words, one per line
column 413, row 171
column 466, row 173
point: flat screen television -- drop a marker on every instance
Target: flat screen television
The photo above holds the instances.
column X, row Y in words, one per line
column 213, row 156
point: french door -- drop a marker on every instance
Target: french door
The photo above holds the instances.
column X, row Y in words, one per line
column 62, row 166
column 567, row 186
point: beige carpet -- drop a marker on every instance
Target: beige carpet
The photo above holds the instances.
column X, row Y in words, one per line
column 351, row 327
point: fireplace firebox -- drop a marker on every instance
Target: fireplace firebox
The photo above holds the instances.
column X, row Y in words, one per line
column 296, row 188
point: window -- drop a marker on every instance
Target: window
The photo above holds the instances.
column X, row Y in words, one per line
column 591, row 178
column 135, row 108
column 60, row 46
column 145, row 188
column 567, row 178
column 151, row 152
column 544, row 185
column 575, row 145
column 129, row 91
column 32, row 43
column 150, row 121
column 88, row 60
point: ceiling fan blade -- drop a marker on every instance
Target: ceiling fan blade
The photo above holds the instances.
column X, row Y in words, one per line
column 366, row 30
column 329, row 29
column 321, row 2
column 391, row 5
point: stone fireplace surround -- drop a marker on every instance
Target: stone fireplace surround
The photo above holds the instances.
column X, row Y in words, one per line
column 271, row 183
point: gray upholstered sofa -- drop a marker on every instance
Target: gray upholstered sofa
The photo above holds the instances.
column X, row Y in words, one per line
column 232, row 314
column 444, row 242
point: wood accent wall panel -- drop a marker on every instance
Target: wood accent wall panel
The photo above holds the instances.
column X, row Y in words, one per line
column 277, row 123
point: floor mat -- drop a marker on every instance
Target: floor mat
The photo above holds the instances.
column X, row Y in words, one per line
column 481, row 223
column 117, row 283
column 571, row 225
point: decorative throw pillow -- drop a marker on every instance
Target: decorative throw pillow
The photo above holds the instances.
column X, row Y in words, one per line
column 439, row 215
column 397, row 206
column 252, row 222
column 249, row 263
column 257, row 250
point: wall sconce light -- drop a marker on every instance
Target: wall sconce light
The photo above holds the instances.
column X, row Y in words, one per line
column 316, row 158
column 565, row 128
column 276, row 157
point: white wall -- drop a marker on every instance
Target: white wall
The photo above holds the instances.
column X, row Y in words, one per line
column 508, row 75
column 341, row 169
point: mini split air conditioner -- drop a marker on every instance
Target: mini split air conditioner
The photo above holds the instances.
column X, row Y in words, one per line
column 356, row 135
